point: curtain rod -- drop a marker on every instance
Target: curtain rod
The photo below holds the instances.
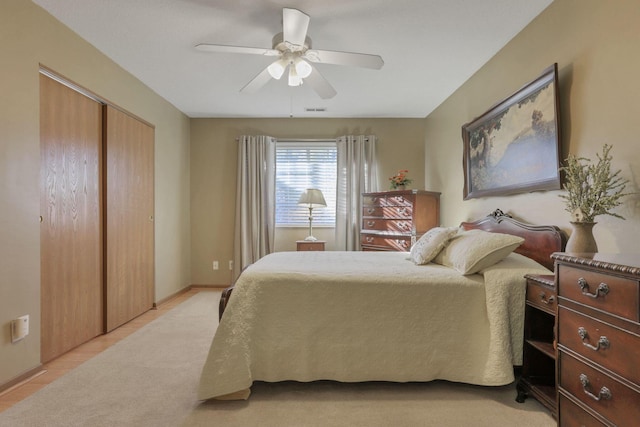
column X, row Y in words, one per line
column 305, row 139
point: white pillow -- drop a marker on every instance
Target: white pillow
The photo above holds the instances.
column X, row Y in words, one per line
column 474, row 250
column 431, row 243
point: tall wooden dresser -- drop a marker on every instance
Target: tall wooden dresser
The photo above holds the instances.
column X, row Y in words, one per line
column 598, row 339
column 394, row 220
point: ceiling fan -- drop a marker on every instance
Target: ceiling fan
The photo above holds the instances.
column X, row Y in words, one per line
column 292, row 47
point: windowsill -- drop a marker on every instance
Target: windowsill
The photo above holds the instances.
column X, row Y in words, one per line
column 305, row 227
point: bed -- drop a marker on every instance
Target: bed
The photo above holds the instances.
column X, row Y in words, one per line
column 379, row 316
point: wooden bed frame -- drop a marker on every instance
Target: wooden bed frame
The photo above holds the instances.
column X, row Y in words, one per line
column 540, row 241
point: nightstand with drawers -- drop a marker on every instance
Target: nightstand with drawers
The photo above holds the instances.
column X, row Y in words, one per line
column 310, row 245
column 538, row 377
column 598, row 326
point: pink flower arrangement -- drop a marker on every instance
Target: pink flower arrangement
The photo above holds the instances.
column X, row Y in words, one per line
column 400, row 179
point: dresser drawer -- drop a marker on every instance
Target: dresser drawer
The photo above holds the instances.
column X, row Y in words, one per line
column 541, row 296
column 588, row 385
column 571, row 415
column 615, row 295
column 397, row 225
column 402, row 212
column 388, row 200
column 381, row 243
column 313, row 245
column 610, row 347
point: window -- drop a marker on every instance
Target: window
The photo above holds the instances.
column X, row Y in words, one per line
column 302, row 165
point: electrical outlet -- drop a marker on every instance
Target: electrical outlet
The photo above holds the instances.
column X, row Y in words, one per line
column 230, row 265
column 19, row 328
column 215, row 265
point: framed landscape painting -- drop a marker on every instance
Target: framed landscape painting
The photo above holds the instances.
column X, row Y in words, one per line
column 515, row 146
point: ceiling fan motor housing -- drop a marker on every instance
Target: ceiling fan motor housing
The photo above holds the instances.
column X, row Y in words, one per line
column 280, row 45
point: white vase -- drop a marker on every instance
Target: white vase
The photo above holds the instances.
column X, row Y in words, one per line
column 581, row 239
column 399, row 187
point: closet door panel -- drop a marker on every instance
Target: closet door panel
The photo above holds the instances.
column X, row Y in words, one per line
column 129, row 272
column 70, row 234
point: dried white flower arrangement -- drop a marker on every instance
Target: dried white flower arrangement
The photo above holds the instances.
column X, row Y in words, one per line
column 592, row 188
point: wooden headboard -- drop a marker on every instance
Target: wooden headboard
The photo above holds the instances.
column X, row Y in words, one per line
column 540, row 241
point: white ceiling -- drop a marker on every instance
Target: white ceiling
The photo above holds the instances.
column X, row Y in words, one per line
column 430, row 48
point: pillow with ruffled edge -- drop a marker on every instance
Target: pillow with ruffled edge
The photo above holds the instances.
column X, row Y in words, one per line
column 431, row 243
column 471, row 251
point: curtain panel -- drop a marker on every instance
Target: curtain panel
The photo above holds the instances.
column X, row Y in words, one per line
column 255, row 200
column 357, row 174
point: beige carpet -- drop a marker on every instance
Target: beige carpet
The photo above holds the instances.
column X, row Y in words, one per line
column 150, row 379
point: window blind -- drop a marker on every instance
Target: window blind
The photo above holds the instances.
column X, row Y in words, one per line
column 302, row 165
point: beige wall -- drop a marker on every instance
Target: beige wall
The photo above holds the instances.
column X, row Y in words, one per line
column 213, row 176
column 595, row 44
column 28, row 37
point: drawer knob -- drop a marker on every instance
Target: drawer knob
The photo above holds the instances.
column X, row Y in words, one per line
column 604, row 392
column 603, row 288
column 545, row 300
column 369, row 239
column 370, row 210
column 371, row 223
column 401, row 211
column 603, row 342
column 402, row 243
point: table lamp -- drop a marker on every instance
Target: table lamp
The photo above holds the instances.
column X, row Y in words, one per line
column 312, row 198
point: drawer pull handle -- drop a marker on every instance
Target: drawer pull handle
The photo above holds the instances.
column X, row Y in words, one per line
column 603, row 289
column 371, row 223
column 545, row 300
column 603, row 342
column 401, row 211
column 604, row 392
column 369, row 239
column 370, row 210
column 402, row 243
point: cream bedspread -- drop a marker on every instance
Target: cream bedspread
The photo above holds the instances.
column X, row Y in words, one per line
column 366, row 316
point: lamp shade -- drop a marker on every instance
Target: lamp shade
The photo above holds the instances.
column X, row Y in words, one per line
column 276, row 69
column 303, row 68
column 312, row 198
column 294, row 78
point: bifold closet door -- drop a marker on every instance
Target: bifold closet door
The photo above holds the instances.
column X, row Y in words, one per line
column 129, row 231
column 70, row 234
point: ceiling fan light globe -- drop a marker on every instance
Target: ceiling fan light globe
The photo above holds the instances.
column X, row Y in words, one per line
column 294, row 78
column 276, row 68
column 303, row 68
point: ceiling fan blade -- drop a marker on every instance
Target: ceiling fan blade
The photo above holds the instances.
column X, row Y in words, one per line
column 344, row 58
column 294, row 26
column 258, row 81
column 320, row 84
column 220, row 48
